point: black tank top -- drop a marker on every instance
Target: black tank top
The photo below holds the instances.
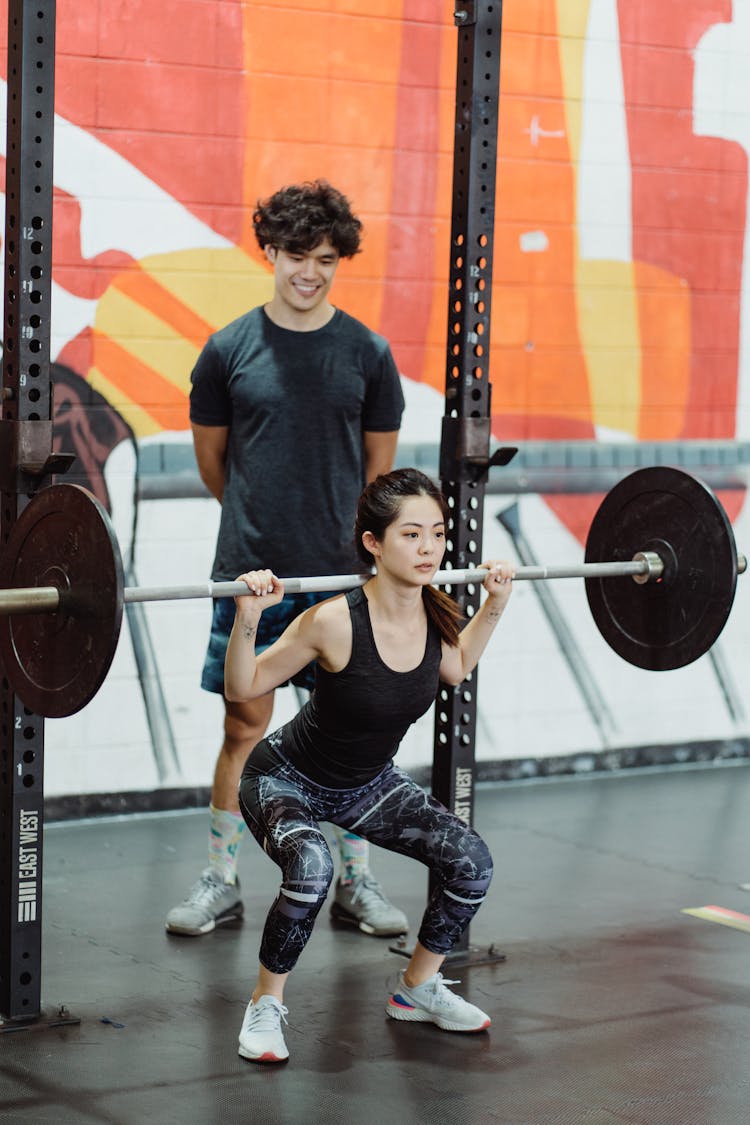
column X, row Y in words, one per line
column 352, row 725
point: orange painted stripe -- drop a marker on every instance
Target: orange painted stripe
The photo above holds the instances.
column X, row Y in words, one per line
column 141, row 383
column 145, row 290
column 664, row 314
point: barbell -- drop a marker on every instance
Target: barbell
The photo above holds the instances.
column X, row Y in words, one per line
column 62, row 588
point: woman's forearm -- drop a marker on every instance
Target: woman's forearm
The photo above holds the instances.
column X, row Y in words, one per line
column 475, row 636
column 240, row 663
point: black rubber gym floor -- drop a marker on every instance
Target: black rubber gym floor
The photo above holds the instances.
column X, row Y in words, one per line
column 612, row 1006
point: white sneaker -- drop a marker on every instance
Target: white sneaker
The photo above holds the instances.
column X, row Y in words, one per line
column 261, row 1037
column 432, row 1002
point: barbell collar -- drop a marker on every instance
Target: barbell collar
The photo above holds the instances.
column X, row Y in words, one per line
column 654, row 564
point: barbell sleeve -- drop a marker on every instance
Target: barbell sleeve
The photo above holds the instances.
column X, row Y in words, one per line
column 29, row 599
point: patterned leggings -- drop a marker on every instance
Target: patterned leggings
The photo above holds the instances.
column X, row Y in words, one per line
column 282, row 809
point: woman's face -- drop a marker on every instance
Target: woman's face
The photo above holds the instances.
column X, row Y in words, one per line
column 414, row 543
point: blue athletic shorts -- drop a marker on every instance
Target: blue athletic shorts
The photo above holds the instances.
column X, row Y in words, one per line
column 273, row 622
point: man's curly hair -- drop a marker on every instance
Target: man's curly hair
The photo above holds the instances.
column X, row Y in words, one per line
column 299, row 217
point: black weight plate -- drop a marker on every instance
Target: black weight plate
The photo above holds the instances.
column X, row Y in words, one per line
column 56, row 661
column 667, row 623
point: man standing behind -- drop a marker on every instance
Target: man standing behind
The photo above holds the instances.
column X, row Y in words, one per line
column 294, row 407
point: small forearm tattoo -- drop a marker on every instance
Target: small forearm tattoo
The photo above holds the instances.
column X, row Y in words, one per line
column 249, row 631
column 494, row 615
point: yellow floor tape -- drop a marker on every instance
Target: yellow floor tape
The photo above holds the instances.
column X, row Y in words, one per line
column 722, row 916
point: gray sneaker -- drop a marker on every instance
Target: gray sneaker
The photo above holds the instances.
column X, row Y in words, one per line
column 209, row 903
column 363, row 903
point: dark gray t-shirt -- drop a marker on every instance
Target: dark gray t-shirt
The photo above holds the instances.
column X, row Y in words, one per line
column 296, row 404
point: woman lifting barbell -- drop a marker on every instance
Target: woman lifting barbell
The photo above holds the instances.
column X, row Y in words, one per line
column 381, row 650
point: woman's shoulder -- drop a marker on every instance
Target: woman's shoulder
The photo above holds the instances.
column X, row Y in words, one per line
column 327, row 627
column 330, row 616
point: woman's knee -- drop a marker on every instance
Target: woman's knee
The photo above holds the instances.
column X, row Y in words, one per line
column 307, row 865
column 482, row 857
column 468, row 860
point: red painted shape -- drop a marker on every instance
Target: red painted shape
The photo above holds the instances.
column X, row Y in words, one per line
column 83, row 277
column 167, row 92
column 689, row 194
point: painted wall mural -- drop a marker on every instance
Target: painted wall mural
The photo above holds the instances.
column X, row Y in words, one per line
column 620, row 305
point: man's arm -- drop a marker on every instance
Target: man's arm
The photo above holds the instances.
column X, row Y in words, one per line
column 380, row 449
column 210, row 444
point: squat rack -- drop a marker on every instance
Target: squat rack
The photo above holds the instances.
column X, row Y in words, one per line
column 25, row 460
column 465, row 457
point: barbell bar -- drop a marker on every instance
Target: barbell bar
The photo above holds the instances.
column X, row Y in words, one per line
column 49, row 599
column 646, row 566
column 62, row 588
